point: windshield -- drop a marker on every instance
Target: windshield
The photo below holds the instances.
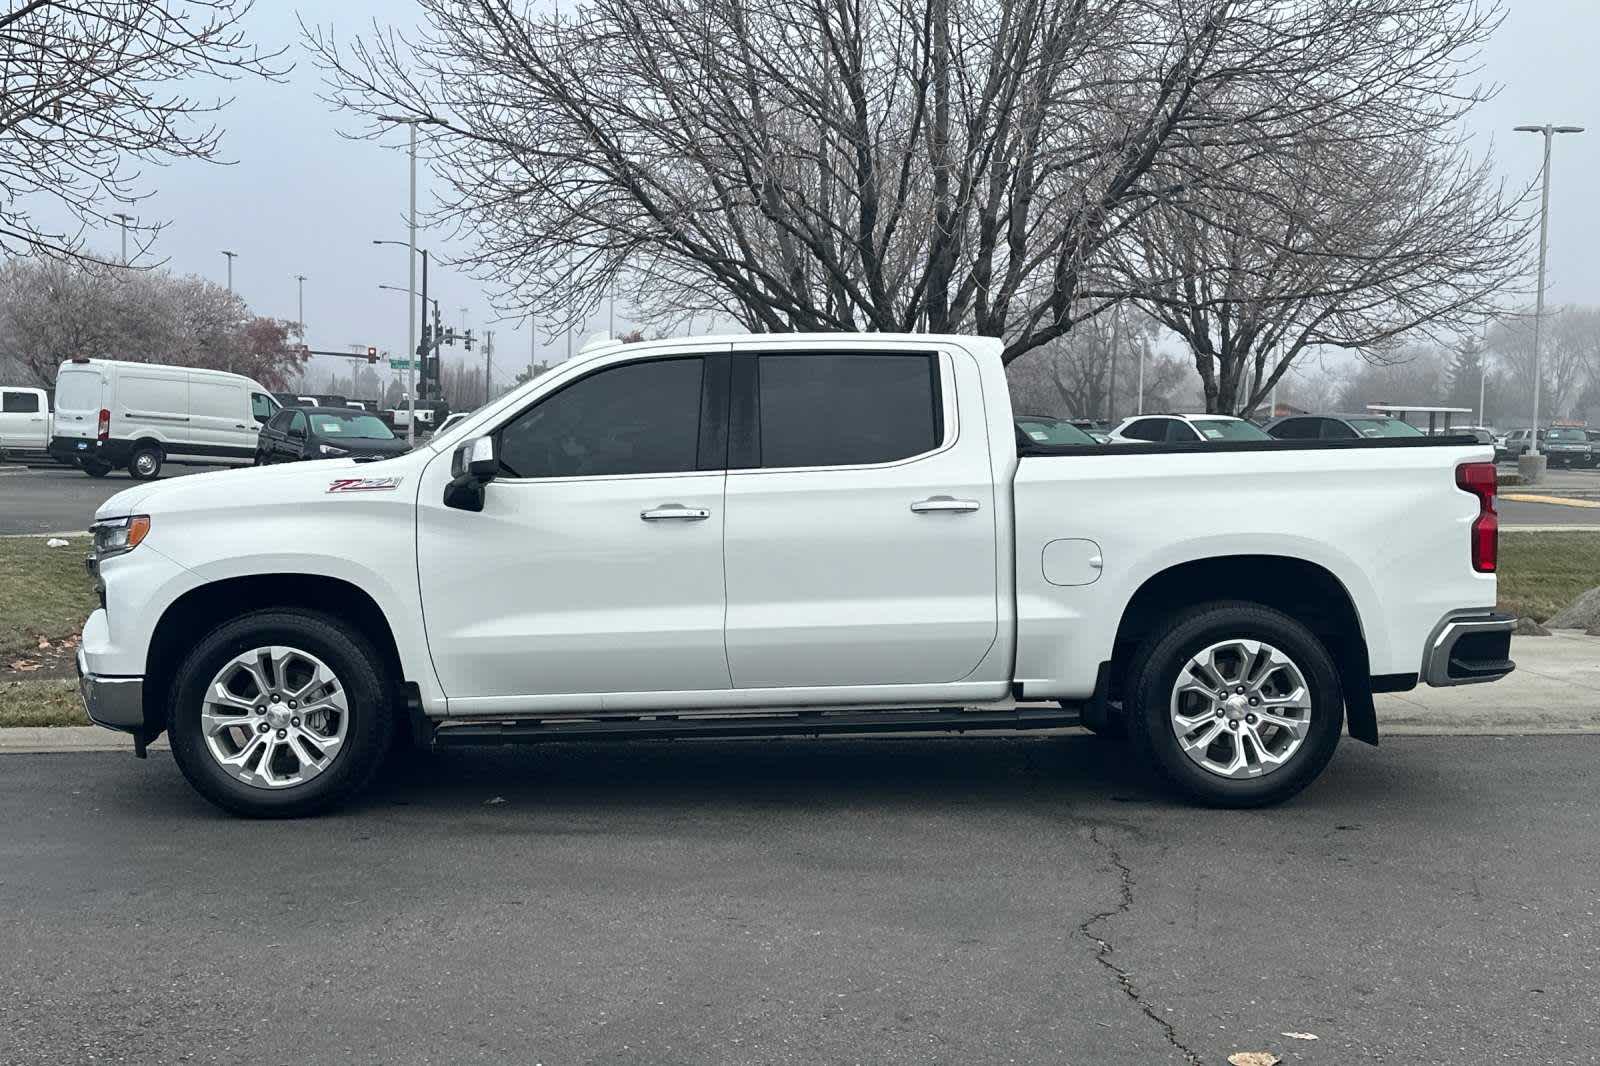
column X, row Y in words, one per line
column 1384, row 427
column 1228, row 429
column 355, row 424
column 1566, row 434
column 1053, row 431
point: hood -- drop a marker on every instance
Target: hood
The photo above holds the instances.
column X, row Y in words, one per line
column 243, row 488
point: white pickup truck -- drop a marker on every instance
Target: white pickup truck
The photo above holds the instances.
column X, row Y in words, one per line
column 788, row 534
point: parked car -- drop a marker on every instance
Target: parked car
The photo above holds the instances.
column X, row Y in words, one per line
column 113, row 414
column 1339, row 427
column 1184, row 429
column 1567, row 446
column 829, row 533
column 1515, row 444
column 25, row 422
column 297, row 433
column 1047, row 429
column 1594, row 446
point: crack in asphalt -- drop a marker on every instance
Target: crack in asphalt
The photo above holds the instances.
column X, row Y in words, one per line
column 1104, row 950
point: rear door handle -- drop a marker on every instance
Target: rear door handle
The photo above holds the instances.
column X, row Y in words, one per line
column 675, row 512
column 944, row 503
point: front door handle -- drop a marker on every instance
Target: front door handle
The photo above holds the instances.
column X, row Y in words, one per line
column 944, row 503
column 675, row 512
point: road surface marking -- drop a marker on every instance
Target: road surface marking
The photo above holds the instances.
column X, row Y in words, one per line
column 1559, row 501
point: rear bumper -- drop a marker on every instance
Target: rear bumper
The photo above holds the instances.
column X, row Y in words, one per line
column 74, row 450
column 114, row 702
column 1469, row 648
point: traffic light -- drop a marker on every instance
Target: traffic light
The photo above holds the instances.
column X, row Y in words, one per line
column 427, row 339
column 372, row 354
column 450, row 336
column 468, row 340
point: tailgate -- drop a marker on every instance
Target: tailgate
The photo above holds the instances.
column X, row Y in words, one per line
column 78, row 401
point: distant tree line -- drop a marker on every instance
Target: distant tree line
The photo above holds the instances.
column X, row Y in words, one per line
column 53, row 310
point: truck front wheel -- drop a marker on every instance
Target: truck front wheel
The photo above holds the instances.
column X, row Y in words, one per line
column 1234, row 704
column 280, row 713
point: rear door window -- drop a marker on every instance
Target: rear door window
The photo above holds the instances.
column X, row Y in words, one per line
column 78, row 390
column 1333, row 429
column 19, row 403
column 847, row 409
column 1181, row 432
column 1295, row 429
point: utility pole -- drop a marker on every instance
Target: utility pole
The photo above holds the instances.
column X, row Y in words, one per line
column 231, row 256
column 411, row 309
column 1532, row 470
column 488, row 363
column 124, row 219
column 424, row 349
column 533, row 345
column 611, row 309
column 300, row 280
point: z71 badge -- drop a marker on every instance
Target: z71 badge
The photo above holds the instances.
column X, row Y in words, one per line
column 365, row 484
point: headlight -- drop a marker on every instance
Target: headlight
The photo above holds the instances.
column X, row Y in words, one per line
column 119, row 535
column 328, row 449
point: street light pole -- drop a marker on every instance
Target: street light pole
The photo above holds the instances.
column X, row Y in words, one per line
column 300, row 282
column 231, row 256
column 1548, row 131
column 120, row 217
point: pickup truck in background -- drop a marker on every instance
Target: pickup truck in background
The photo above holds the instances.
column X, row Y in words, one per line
column 25, row 422
column 788, row 534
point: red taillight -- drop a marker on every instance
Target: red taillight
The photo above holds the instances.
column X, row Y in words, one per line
column 1479, row 479
column 103, row 429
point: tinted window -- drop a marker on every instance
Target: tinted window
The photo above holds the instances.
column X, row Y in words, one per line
column 1180, row 432
column 844, row 410
column 1150, row 429
column 297, row 423
column 1295, row 429
column 280, row 421
column 1333, row 429
column 262, row 406
column 20, row 403
column 638, row 418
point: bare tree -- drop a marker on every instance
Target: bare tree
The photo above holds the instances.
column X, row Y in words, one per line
column 1360, row 237
column 864, row 164
column 52, row 310
column 1094, row 372
column 91, row 88
column 1569, row 358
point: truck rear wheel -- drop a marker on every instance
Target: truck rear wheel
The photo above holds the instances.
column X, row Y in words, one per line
column 95, row 467
column 280, row 713
column 145, row 463
column 1234, row 704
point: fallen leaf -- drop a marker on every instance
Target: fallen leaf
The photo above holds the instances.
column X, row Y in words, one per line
column 1299, row 1036
column 43, row 643
column 23, row 666
column 1254, row 1058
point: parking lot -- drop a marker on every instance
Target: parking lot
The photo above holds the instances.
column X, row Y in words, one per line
column 878, row 901
column 54, row 499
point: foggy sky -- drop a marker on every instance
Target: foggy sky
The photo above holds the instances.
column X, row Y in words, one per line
column 300, row 199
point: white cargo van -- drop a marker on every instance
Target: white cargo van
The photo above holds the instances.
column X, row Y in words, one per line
column 135, row 415
column 24, row 421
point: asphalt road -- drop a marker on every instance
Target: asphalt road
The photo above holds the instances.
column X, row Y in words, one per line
column 879, row 901
column 60, row 499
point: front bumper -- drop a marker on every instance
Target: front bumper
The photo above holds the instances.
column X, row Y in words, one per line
column 114, row 702
column 1469, row 648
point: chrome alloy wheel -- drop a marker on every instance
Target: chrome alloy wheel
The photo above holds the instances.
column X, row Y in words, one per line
column 145, row 463
column 274, row 717
column 1240, row 708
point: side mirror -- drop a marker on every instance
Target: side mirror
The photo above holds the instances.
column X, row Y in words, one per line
column 473, row 464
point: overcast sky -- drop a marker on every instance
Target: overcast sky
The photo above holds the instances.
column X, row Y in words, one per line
column 302, row 200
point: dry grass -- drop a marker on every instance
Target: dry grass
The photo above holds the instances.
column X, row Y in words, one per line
column 1540, row 573
column 44, row 593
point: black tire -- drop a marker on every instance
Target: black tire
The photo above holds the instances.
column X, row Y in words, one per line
column 1154, row 671
column 145, row 462
column 95, row 467
column 360, row 671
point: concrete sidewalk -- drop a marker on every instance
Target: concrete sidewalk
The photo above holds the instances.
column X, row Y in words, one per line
column 1555, row 689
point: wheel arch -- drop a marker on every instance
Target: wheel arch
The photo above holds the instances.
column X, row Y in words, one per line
column 206, row 606
column 1306, row 591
